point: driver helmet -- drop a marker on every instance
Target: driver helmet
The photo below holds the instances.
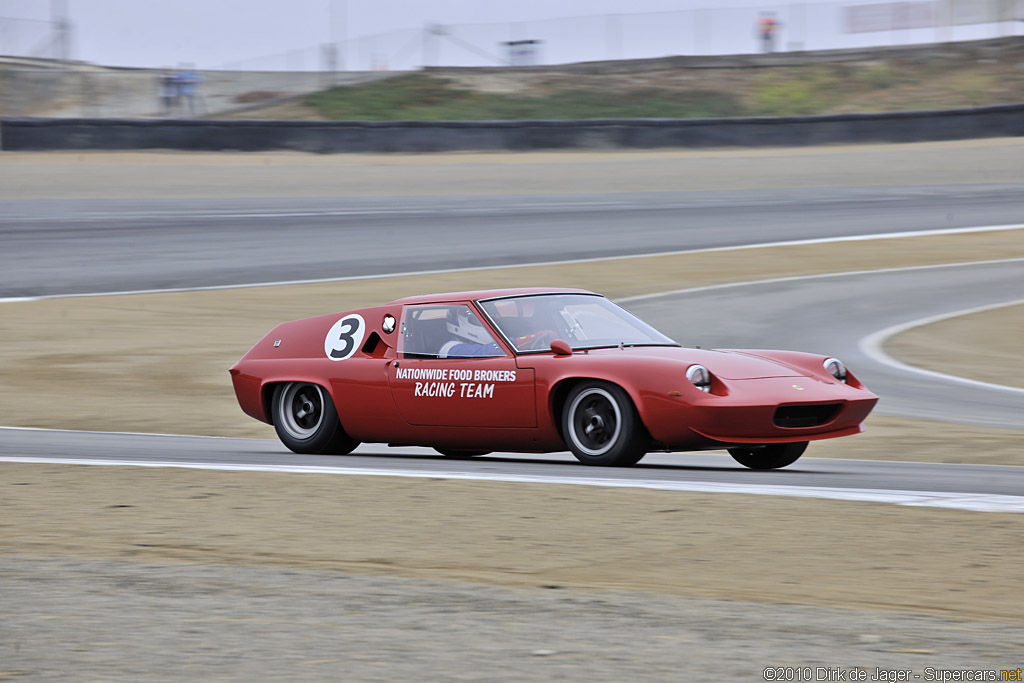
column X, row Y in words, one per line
column 467, row 327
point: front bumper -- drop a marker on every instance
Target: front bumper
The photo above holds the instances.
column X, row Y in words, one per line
column 771, row 410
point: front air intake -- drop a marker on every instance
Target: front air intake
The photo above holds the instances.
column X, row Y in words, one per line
column 805, row 416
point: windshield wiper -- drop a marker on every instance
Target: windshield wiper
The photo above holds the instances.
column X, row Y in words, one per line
column 621, row 345
column 624, row 345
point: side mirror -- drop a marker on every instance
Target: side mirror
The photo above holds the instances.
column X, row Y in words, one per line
column 561, row 347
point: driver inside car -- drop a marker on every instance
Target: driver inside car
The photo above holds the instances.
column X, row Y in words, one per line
column 536, row 341
column 470, row 340
column 527, row 325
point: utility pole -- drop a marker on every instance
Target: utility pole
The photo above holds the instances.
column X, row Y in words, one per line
column 431, row 43
column 338, row 20
column 613, row 36
column 61, row 29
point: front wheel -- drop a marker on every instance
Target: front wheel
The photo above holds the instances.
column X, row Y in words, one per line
column 770, row 457
column 307, row 422
column 601, row 427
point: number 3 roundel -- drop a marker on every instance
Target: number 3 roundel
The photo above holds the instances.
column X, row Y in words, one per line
column 344, row 337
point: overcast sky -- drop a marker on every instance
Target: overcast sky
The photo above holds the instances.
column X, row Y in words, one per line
column 213, row 32
column 234, row 33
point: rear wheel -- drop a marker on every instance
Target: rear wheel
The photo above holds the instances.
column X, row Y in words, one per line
column 307, row 422
column 601, row 427
column 770, row 457
column 453, row 453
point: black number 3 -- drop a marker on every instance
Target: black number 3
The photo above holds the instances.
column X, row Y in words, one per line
column 349, row 326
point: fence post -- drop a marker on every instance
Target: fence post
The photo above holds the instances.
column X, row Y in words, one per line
column 613, row 36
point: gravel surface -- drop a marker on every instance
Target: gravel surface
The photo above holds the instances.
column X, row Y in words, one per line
column 106, row 621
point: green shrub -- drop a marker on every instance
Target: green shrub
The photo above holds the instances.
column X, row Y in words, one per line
column 879, row 77
column 811, row 91
column 419, row 97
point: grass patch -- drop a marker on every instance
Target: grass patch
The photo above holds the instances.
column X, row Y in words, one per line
column 799, row 92
column 419, row 97
column 947, row 76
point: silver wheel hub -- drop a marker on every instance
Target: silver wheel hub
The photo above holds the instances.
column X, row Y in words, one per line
column 301, row 410
column 305, row 409
column 595, row 421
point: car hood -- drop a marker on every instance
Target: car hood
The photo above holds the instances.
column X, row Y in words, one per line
column 725, row 364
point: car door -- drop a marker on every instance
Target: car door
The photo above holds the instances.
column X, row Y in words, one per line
column 452, row 372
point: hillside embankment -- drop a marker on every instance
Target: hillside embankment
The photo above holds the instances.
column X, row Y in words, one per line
column 936, row 76
column 940, row 76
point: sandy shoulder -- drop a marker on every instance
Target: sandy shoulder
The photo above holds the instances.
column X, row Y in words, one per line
column 194, row 175
column 953, row 563
column 986, row 346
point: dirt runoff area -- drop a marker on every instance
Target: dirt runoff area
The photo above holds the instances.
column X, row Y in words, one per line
column 865, row 555
column 994, row 335
column 119, row 573
column 199, row 175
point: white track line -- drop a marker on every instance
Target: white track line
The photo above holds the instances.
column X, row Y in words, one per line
column 819, row 276
column 977, row 502
column 93, row 431
column 763, row 245
column 872, row 346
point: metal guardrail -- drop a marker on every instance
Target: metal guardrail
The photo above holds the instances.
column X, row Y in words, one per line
column 17, row 134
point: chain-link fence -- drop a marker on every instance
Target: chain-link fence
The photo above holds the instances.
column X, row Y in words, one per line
column 32, row 38
column 713, row 30
column 48, row 86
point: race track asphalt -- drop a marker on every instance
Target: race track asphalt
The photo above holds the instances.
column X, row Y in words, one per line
column 163, row 450
column 62, row 247
column 56, row 247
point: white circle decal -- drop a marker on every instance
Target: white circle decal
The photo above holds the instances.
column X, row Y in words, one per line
column 344, row 337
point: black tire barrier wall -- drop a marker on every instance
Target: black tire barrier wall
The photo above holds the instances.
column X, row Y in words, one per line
column 36, row 134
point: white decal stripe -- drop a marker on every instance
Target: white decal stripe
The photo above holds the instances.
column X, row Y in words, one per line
column 763, row 245
column 977, row 502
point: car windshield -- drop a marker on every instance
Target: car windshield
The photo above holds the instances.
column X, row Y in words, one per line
column 585, row 321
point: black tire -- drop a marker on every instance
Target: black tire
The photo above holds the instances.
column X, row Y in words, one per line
column 770, row 457
column 461, row 455
column 307, row 422
column 600, row 425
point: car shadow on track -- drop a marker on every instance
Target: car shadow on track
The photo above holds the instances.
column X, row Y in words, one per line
column 482, row 461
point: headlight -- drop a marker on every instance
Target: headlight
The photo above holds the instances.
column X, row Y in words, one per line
column 835, row 367
column 699, row 377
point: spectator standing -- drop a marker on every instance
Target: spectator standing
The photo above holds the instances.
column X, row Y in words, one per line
column 188, row 88
column 168, row 90
column 767, row 28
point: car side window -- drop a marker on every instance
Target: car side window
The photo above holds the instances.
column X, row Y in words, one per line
column 445, row 331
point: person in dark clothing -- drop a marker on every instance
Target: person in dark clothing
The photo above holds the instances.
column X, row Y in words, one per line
column 767, row 27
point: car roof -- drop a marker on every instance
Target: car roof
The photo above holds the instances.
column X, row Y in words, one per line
column 486, row 294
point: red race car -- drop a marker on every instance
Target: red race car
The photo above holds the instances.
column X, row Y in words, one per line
column 536, row 370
